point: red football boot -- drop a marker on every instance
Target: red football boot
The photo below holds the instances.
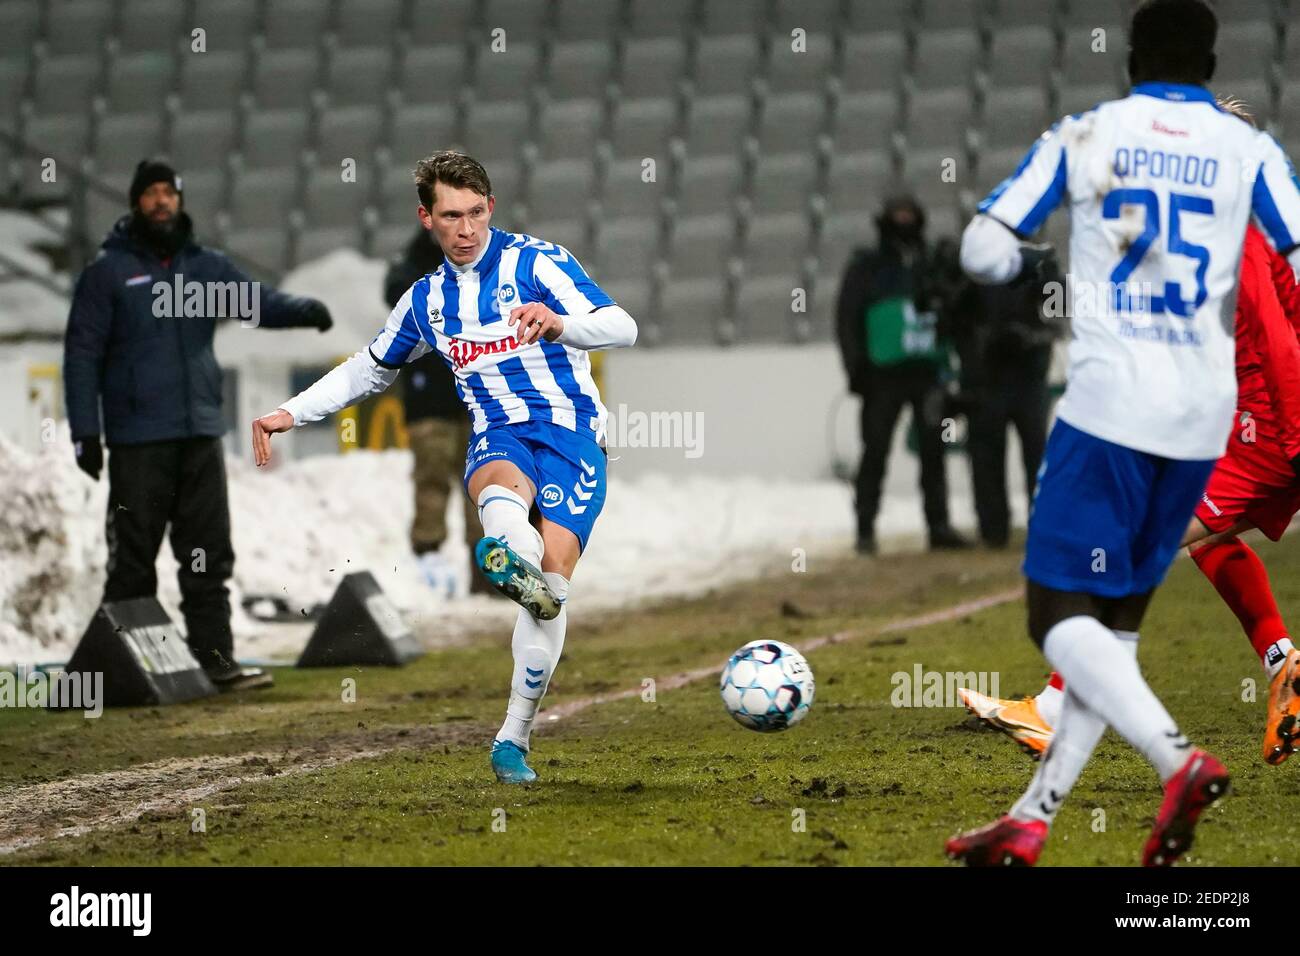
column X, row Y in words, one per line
column 1005, row 842
column 1199, row 784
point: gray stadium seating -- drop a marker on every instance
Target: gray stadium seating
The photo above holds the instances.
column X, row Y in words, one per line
column 226, row 24
column 152, row 26
column 716, row 125
column 137, row 81
column 561, row 189
column 212, row 80
column 652, row 67
column 725, row 65
column 580, row 68
column 709, row 185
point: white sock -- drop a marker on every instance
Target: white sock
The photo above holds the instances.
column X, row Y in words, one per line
column 1101, row 671
column 537, row 646
column 1049, row 701
column 505, row 517
column 1074, row 737
column 1276, row 654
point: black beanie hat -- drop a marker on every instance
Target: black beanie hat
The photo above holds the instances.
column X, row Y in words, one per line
column 152, row 171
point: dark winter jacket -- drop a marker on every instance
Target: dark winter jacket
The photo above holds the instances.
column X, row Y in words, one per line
column 428, row 387
column 884, row 272
column 156, row 376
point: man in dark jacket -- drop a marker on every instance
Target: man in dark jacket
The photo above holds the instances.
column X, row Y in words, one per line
column 887, row 321
column 1005, row 346
column 438, row 429
column 139, row 344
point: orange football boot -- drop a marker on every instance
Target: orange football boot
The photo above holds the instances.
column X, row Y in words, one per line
column 1282, row 732
column 1018, row 719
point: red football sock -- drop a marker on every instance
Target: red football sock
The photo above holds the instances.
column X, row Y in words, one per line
column 1239, row 576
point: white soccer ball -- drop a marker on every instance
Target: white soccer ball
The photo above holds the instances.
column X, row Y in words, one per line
column 767, row 686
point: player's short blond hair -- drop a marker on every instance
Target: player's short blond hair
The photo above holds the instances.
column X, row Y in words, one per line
column 451, row 168
column 1238, row 108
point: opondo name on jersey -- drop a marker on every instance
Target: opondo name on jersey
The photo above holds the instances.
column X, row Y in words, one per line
column 462, row 313
column 1160, row 186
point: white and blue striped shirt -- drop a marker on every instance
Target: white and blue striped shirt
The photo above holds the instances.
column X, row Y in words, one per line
column 462, row 313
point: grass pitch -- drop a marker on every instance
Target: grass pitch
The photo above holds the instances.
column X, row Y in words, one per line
column 297, row 775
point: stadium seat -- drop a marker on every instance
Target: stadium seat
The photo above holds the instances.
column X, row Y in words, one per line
column 943, row 221
column 1081, row 65
column 700, row 246
column 791, row 122
column 691, row 310
column 433, row 74
column 625, row 248
column 508, row 74
column 1097, row 13
column 812, row 16
column 805, row 71
column 652, row 68
column 717, row 125
column 923, row 176
column 13, row 76
column 764, row 310
column 390, row 240
column 783, row 183
column 350, row 132
column 633, row 294
column 642, row 128
column 949, row 15
column 624, row 192
column 709, row 185
column 77, row 26
column 62, row 138
column 440, row 21
column 841, row 234
column 1021, row 55
column 66, row 84
column 1077, row 98
column 273, row 138
column 398, row 197
column 152, row 26
column 213, row 80
column 1015, row 117
column 733, row 16
column 205, row 191
column 267, row 248
column 873, row 62
column 1232, row 11
column 1291, row 56
column 865, row 121
column 357, row 76
column 20, row 23
column 226, row 24
column 775, row 245
column 295, row 24
column 368, row 23
column 316, row 242
column 569, row 232
column 1011, row 14
column 1241, row 49
column 1288, row 113
column 561, row 189
column 523, row 20
column 579, row 69
column 496, row 130
column 140, row 80
column 725, row 65
column 123, row 139
column 660, row 18
column 262, row 199
column 945, row 58
column 996, row 165
column 858, row 182
column 939, row 118
column 421, row 129
column 879, row 15
column 102, row 213
column 567, row 128
column 588, row 19
column 1257, row 96
column 284, row 78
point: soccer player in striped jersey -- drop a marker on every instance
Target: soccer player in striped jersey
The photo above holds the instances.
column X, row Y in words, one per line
column 514, row 317
column 1161, row 185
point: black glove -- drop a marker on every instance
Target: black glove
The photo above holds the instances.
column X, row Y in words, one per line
column 90, row 455
column 1037, row 265
column 318, row 316
column 859, row 376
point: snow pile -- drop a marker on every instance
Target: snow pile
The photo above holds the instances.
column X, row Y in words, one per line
column 27, row 306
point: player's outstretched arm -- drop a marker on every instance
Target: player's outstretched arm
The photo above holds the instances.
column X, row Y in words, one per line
column 990, row 252
column 344, row 385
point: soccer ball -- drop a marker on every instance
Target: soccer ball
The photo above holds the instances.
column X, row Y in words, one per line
column 767, row 686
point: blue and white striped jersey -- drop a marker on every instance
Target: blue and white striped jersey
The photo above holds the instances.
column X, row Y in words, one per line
column 463, row 315
column 1160, row 186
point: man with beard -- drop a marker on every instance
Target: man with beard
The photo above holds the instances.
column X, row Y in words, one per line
column 887, row 322
column 151, row 367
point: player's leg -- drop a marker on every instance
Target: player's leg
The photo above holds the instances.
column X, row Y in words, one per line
column 882, row 402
